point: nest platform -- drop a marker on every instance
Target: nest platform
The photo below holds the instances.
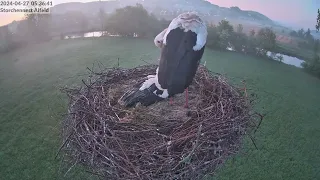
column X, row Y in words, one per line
column 160, row 141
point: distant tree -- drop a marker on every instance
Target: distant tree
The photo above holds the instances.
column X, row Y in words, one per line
column 251, row 43
column 213, row 39
column 308, row 35
column 273, row 55
column 266, row 39
column 225, row 26
column 308, row 32
column 239, row 28
column 133, row 20
column 313, row 67
column 239, row 40
column 293, row 34
column 226, row 32
column 252, row 33
column 318, row 21
column 279, row 58
column 102, row 17
column 301, row 33
column 38, row 27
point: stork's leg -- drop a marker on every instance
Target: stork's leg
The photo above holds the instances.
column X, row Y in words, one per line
column 187, row 98
column 170, row 101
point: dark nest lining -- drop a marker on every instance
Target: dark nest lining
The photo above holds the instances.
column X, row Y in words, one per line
column 161, row 141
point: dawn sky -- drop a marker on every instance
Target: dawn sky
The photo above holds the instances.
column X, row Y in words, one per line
column 301, row 13
column 298, row 12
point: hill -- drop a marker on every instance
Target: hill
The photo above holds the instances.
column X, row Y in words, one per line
column 167, row 9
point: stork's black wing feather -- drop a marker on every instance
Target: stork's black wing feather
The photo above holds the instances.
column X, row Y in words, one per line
column 178, row 62
column 146, row 97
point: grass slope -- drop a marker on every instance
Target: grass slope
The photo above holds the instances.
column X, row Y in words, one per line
column 31, row 107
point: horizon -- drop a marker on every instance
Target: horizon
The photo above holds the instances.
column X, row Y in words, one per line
column 305, row 19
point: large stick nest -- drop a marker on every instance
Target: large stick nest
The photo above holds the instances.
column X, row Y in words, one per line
column 161, row 141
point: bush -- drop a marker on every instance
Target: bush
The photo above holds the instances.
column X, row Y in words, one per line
column 257, row 44
column 226, row 33
column 214, row 38
column 266, row 39
column 275, row 56
column 221, row 36
column 313, row 67
column 134, row 20
column 239, row 41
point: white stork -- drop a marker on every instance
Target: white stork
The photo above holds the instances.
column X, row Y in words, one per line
column 182, row 46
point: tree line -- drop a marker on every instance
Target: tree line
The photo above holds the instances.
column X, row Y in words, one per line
column 127, row 21
column 224, row 35
column 307, row 41
column 305, row 38
column 133, row 21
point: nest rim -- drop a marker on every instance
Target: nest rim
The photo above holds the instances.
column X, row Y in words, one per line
column 127, row 164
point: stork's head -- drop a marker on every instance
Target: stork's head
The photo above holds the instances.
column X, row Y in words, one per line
column 158, row 40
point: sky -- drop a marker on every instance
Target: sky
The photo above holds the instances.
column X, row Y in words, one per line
column 298, row 13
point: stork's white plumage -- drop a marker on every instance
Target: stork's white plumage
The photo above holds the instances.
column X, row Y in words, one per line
column 182, row 46
column 189, row 22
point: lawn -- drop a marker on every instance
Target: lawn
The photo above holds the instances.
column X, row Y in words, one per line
column 31, row 107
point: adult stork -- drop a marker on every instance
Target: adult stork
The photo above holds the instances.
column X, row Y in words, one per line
column 182, row 46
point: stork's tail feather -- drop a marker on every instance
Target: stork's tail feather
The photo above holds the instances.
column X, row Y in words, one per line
column 146, row 97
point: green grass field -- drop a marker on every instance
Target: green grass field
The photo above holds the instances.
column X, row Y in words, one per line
column 31, row 106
